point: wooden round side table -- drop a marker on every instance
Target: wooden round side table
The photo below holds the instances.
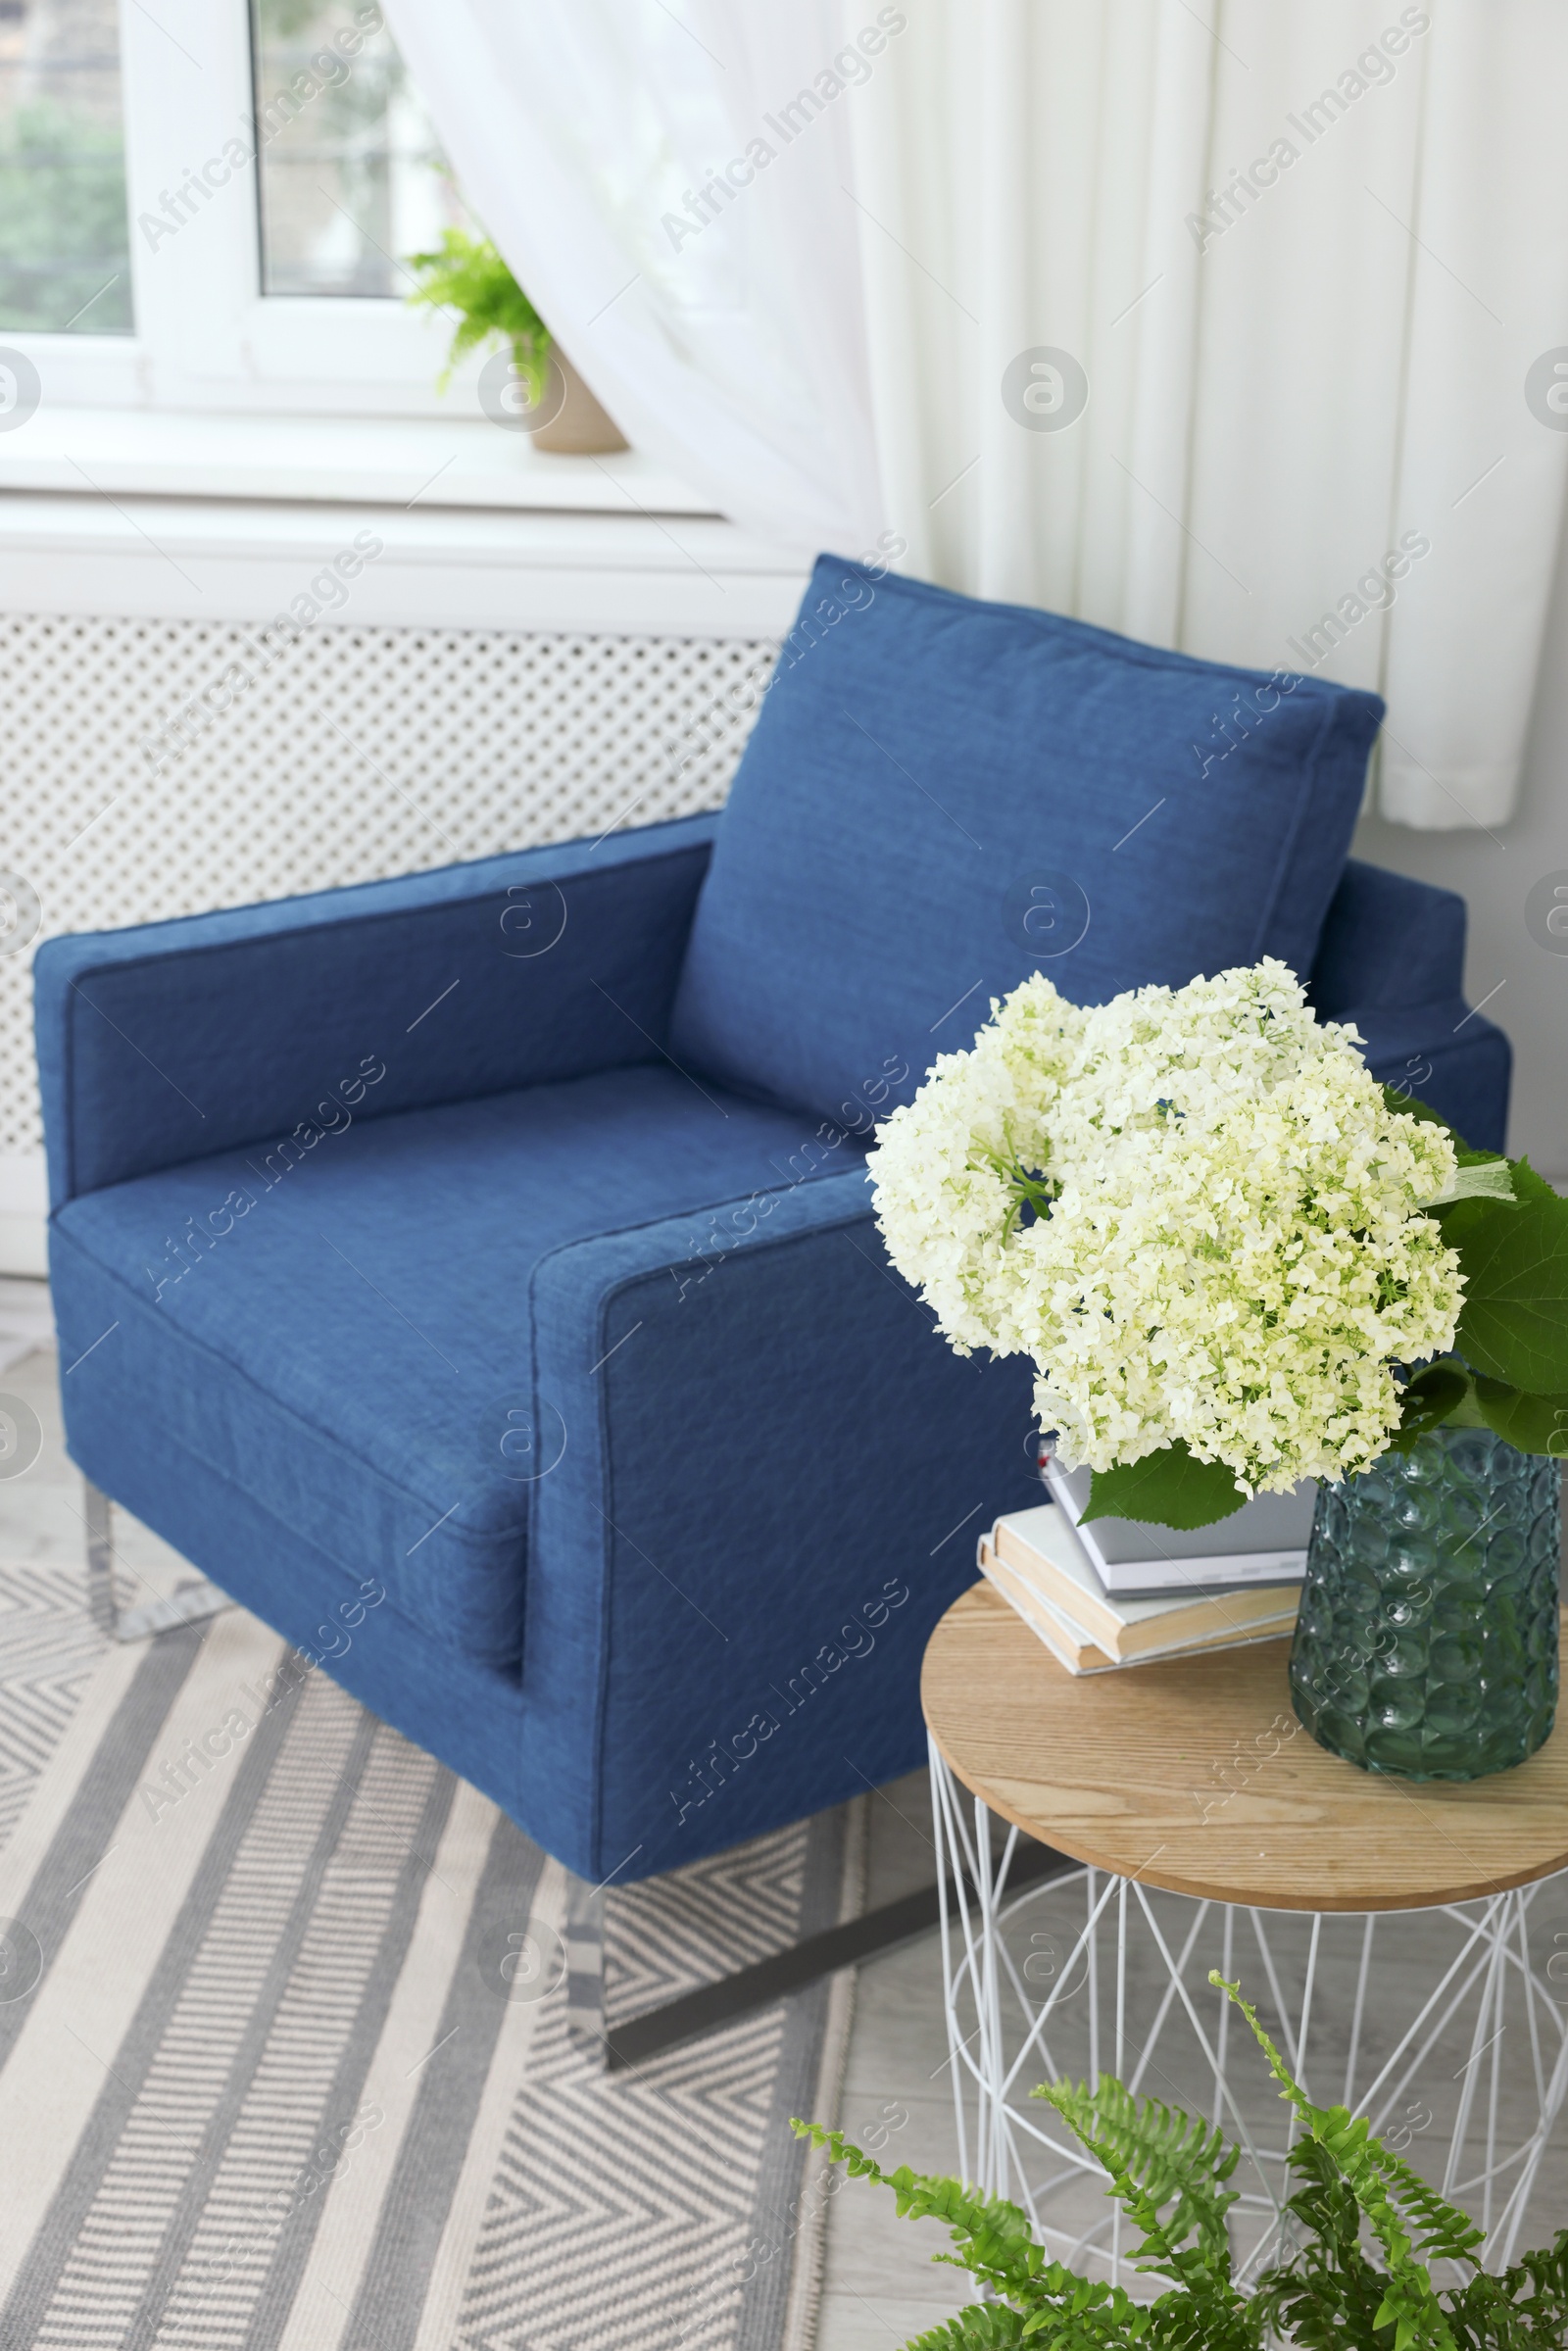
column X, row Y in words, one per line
column 1193, row 1777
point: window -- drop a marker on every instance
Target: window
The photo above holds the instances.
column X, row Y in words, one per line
column 352, row 175
column 214, row 208
column 65, row 257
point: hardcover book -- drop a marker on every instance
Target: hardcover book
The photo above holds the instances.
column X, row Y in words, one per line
column 1263, row 1542
column 1036, row 1552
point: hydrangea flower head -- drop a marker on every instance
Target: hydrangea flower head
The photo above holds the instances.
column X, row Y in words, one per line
column 1193, row 1208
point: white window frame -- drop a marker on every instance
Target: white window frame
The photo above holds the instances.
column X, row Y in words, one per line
column 206, row 337
column 223, row 398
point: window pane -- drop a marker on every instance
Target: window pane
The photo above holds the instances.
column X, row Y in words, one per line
column 351, row 174
column 65, row 255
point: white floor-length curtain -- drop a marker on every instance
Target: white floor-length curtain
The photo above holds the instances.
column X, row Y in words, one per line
column 1183, row 315
column 1284, row 385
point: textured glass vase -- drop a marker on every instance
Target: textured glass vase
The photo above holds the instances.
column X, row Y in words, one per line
column 1427, row 1642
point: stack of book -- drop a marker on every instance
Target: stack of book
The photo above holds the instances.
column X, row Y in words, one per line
column 1118, row 1592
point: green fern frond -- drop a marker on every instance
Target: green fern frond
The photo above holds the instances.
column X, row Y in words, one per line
column 995, row 2236
column 1158, row 2250
column 1326, row 2296
column 1447, row 2235
column 1053, row 2307
column 1172, row 2153
column 1524, row 2309
column 1091, row 2318
column 1340, row 2290
column 468, row 275
column 1207, row 2312
column 979, row 2326
column 1084, row 2317
column 1409, row 2300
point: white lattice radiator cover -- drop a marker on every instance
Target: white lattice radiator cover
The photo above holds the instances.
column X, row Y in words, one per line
column 348, row 755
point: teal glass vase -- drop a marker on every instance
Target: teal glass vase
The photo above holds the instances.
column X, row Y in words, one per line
column 1427, row 1640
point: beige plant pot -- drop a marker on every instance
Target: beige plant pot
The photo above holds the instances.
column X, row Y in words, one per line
column 576, row 424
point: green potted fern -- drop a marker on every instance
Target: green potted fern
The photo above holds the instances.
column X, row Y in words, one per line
column 1368, row 2226
column 536, row 388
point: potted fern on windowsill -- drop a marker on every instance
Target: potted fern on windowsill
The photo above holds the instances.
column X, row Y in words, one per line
column 1368, row 2226
column 529, row 384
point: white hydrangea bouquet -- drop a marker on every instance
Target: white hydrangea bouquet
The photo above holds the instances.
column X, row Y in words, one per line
column 1223, row 1244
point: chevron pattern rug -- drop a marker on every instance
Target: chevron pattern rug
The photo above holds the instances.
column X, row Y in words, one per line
column 268, row 2082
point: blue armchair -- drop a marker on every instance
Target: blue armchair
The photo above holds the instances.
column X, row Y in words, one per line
column 497, row 1238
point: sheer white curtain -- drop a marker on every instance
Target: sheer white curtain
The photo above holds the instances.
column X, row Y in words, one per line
column 1297, row 263
column 677, row 214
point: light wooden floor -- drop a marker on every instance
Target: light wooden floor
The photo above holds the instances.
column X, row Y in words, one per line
column 880, row 2285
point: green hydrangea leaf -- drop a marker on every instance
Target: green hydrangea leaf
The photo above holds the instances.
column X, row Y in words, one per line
column 1514, row 1326
column 1167, row 1488
column 1535, row 1424
column 1527, row 1185
column 1465, row 1220
column 1429, row 1396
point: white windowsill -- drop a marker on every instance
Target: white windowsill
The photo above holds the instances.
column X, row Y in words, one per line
column 372, row 461
column 147, row 514
column 192, row 559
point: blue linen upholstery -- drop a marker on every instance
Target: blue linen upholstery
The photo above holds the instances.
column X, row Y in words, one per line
column 925, row 759
column 449, row 977
column 552, row 1323
column 414, row 1239
column 1392, row 962
column 731, row 1583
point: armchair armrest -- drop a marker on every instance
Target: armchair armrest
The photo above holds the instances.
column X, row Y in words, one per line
column 769, row 1477
column 175, row 1040
column 1388, row 941
column 1445, row 1055
column 1391, row 962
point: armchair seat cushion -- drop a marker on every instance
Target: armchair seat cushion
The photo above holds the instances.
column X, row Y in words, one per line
column 345, row 1331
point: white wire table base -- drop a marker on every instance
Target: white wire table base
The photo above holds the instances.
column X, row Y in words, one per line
column 1127, row 1994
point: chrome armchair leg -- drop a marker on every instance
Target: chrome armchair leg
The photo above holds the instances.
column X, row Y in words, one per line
column 634, row 2039
column 585, row 1960
column 100, row 1558
column 186, row 1604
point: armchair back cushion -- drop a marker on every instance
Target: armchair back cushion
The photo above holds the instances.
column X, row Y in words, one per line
column 942, row 795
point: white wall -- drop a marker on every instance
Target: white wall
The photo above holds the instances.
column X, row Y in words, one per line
column 1496, row 875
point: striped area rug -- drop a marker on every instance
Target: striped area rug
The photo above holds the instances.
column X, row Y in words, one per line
column 268, row 2082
